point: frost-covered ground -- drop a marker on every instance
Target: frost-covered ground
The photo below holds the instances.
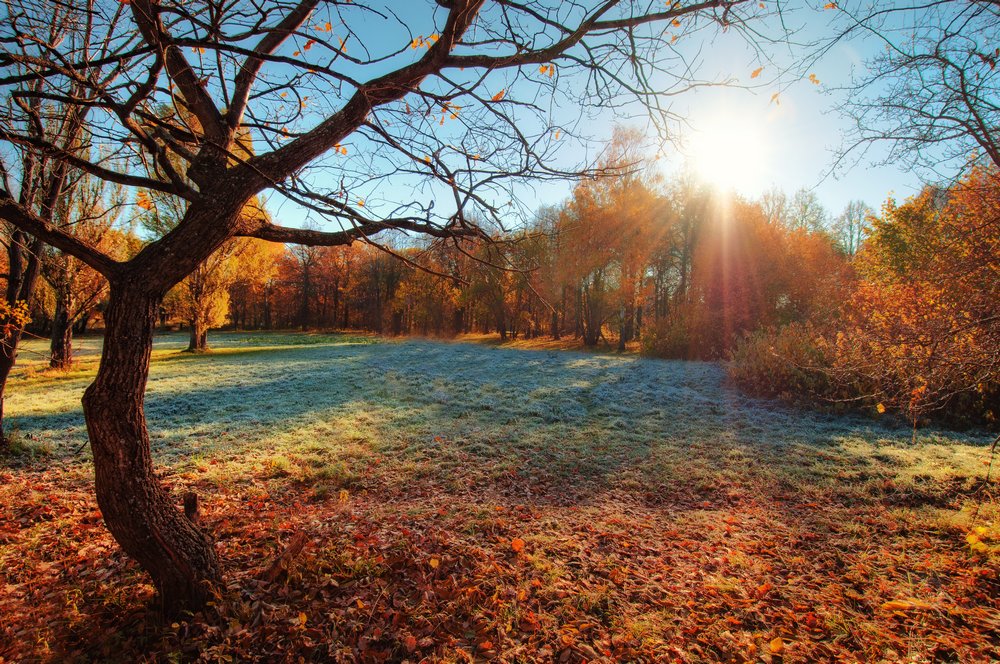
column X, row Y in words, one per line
column 551, row 413
column 472, row 501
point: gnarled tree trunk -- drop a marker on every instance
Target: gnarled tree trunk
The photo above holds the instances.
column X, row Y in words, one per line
column 141, row 515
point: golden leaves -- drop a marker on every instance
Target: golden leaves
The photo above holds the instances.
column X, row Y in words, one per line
column 500, row 95
column 776, row 646
column 142, row 200
column 427, row 43
column 547, row 69
column 517, row 545
column 756, row 72
column 830, row 5
column 813, row 79
column 776, row 99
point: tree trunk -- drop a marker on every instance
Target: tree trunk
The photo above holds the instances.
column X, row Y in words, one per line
column 61, row 347
column 198, row 342
column 140, row 514
column 8, row 354
column 623, row 332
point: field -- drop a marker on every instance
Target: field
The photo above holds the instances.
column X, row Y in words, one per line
column 466, row 502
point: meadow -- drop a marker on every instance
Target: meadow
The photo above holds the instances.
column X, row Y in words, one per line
column 472, row 502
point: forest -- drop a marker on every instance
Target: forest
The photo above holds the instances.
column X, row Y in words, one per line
column 348, row 331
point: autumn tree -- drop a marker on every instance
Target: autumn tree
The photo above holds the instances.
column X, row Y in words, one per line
column 922, row 329
column 43, row 179
column 88, row 209
column 454, row 95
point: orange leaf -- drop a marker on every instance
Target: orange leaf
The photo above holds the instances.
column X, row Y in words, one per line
column 813, row 79
column 756, row 72
column 905, row 605
column 500, row 95
column 517, row 544
column 434, row 563
column 830, row 5
column 774, row 98
column 776, row 646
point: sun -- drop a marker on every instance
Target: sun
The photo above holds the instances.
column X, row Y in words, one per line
column 729, row 153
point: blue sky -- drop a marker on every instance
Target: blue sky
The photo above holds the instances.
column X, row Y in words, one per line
column 789, row 145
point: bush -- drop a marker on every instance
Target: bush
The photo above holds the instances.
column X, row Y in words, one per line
column 680, row 336
column 792, row 362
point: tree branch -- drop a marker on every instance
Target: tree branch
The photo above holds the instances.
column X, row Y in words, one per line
column 15, row 214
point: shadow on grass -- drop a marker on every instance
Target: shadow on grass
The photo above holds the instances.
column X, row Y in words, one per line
column 462, row 417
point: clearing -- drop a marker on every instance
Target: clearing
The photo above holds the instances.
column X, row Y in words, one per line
column 468, row 502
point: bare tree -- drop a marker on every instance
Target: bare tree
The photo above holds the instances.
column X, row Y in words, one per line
column 44, row 182
column 931, row 91
column 851, row 225
column 452, row 99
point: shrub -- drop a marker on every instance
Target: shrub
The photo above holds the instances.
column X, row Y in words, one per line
column 792, row 362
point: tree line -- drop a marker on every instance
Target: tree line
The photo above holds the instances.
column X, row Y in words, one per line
column 630, row 257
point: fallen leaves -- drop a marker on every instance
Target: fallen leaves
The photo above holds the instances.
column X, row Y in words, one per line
column 517, row 545
column 905, row 605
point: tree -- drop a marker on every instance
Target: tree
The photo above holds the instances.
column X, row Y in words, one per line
column 922, row 329
column 851, row 226
column 89, row 211
column 459, row 109
column 805, row 212
column 930, row 90
column 42, row 179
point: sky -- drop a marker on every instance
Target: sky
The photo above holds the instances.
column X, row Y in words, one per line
column 739, row 137
column 743, row 139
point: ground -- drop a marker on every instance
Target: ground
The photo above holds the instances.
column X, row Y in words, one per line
column 465, row 502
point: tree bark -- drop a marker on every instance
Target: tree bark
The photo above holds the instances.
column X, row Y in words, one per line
column 8, row 354
column 198, row 342
column 140, row 514
column 61, row 347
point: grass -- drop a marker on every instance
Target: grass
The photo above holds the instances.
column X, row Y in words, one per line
column 664, row 515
